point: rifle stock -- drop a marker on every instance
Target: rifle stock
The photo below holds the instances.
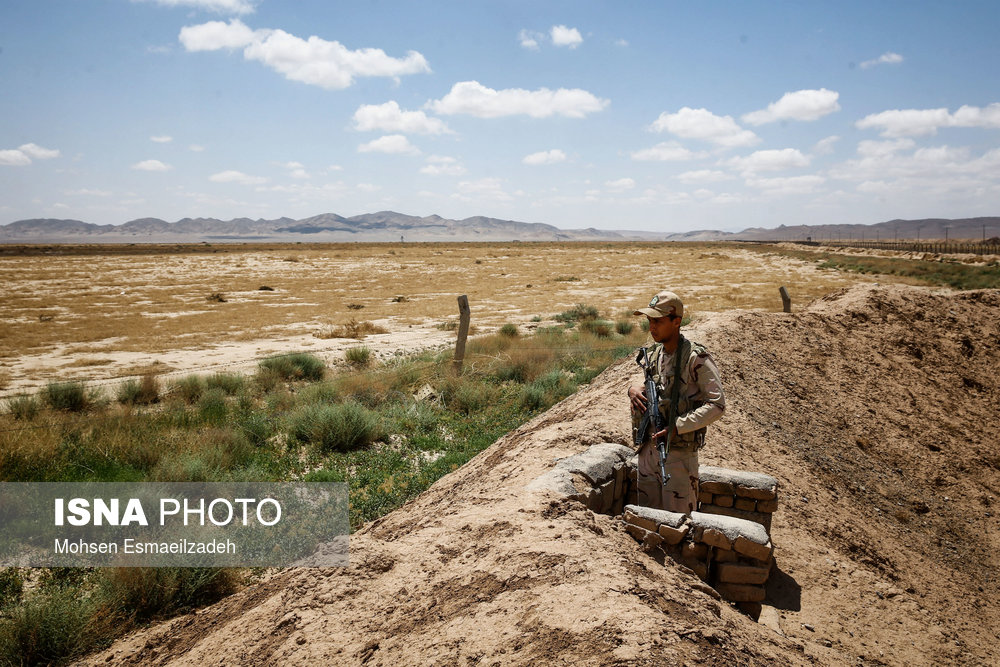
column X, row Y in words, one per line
column 652, row 418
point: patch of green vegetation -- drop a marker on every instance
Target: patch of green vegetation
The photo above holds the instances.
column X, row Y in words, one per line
column 364, row 427
column 949, row 274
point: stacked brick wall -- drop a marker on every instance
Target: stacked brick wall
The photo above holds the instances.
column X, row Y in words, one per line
column 737, row 493
column 726, row 543
column 732, row 555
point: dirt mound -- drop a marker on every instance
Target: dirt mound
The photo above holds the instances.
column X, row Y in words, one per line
column 876, row 408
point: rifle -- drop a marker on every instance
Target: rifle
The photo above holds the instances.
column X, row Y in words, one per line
column 652, row 417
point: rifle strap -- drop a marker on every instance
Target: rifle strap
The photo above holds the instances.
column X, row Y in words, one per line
column 675, row 385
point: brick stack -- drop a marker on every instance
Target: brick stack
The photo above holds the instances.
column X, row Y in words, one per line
column 732, row 555
column 737, row 493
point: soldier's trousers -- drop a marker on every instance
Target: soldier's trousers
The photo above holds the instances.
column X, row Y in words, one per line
column 680, row 494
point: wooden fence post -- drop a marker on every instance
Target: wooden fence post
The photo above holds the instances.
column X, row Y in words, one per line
column 463, row 333
column 786, row 301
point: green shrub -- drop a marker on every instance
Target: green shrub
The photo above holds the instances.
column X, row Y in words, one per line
column 467, row 395
column 358, row 356
column 67, row 396
column 48, row 627
column 509, row 330
column 11, row 586
column 230, row 383
column 145, row 593
column 599, row 328
column 212, row 407
column 24, row 407
column 139, row 392
column 578, row 313
column 189, row 388
column 300, row 366
column 624, row 327
column 343, row 427
column 256, row 427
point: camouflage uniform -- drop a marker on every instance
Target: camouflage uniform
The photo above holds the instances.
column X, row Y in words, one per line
column 702, row 401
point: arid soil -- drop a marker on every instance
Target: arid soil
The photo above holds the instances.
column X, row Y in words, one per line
column 875, row 407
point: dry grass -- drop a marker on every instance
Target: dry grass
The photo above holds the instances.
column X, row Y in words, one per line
column 151, row 299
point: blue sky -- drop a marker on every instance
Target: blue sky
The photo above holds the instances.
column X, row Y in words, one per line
column 666, row 116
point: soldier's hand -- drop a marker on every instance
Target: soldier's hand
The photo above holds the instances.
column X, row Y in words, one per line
column 637, row 397
column 663, row 433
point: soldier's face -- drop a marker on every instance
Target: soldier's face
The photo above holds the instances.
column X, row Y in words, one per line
column 663, row 329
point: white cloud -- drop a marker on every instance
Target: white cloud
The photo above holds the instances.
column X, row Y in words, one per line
column 367, row 187
column 769, row 160
column 623, row 43
column 620, row 185
column 161, row 139
column 529, row 39
column 233, row 176
column 36, row 152
column 217, row 6
column 917, row 122
column 216, row 35
column 666, row 151
column 968, row 116
column 545, row 157
column 888, row 58
column 440, row 165
column 482, row 189
column 564, row 36
column 390, row 143
column 89, row 193
column 471, row 97
column 151, row 165
column 825, row 146
column 799, row 105
column 788, row 185
column 703, row 176
column 389, row 117
column 195, row 148
column 313, row 61
column 883, row 148
column 14, row 158
column 703, row 124
column 906, row 122
column 23, row 155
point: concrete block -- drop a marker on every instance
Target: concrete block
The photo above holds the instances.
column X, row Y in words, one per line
column 619, row 480
column 757, row 494
column 694, row 550
column 767, row 506
column 597, row 463
column 704, row 497
column 716, row 538
column 607, row 496
column 751, row 484
column 740, row 573
column 761, row 518
column 745, row 504
column 671, row 535
column 555, row 481
column 753, row 548
column 651, row 541
column 716, row 487
column 672, row 519
column 638, row 532
column 634, row 519
column 741, row 592
column 697, row 566
column 731, row 527
column 725, row 556
column 723, row 500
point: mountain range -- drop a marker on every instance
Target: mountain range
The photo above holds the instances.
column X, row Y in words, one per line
column 392, row 226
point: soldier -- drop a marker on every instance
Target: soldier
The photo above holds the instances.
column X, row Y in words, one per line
column 701, row 402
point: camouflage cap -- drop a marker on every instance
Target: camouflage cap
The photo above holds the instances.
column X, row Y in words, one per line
column 663, row 304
